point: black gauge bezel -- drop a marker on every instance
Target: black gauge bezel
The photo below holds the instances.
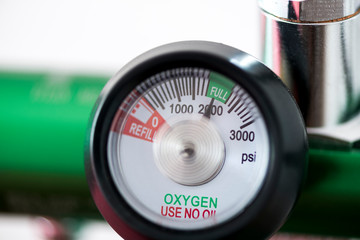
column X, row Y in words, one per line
column 286, row 130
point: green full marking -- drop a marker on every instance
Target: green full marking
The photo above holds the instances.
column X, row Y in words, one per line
column 219, row 87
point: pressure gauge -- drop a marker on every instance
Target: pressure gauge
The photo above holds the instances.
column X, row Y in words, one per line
column 195, row 140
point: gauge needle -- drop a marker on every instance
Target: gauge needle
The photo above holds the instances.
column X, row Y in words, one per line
column 207, row 113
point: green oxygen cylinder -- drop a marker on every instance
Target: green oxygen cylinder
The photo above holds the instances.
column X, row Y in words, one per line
column 43, row 119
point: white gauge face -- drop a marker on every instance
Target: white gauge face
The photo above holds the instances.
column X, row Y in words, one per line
column 188, row 149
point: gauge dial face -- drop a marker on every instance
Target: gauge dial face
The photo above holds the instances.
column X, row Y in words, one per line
column 188, row 148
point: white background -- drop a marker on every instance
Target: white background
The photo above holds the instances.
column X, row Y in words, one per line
column 102, row 35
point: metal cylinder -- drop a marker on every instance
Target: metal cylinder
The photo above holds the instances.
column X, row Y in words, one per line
column 314, row 47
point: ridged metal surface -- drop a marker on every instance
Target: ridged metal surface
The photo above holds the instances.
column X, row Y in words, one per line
column 311, row 10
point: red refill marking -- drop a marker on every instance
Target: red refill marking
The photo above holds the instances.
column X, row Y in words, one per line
column 122, row 112
column 143, row 122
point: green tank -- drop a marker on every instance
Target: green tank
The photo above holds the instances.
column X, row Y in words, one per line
column 43, row 122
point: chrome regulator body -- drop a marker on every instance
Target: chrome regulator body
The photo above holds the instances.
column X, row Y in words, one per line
column 314, row 46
